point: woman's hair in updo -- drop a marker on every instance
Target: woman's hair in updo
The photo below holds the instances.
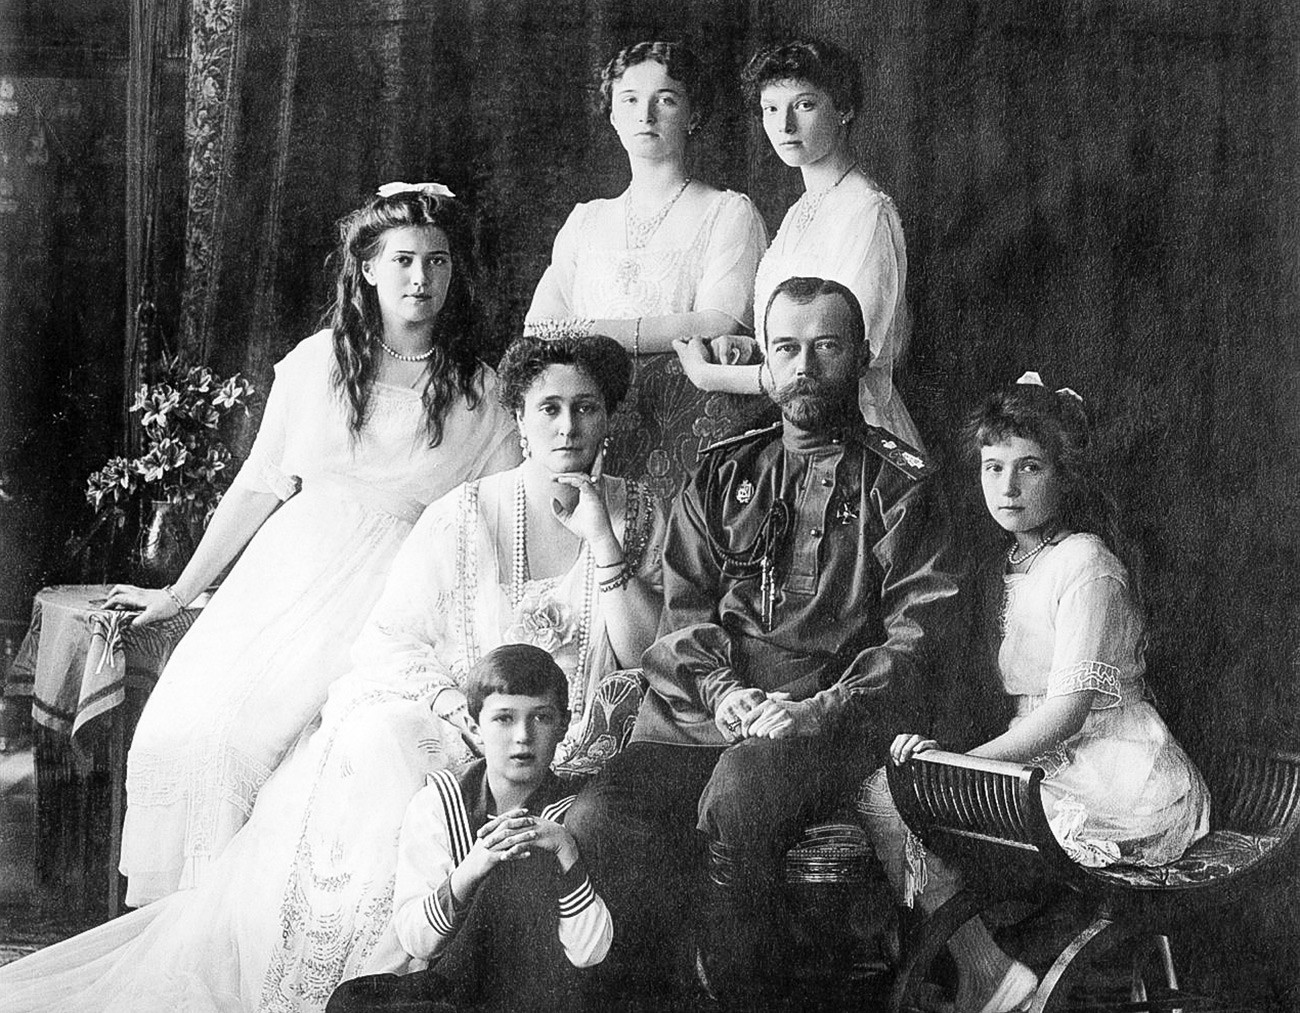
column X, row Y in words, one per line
column 601, row 358
column 357, row 325
column 1058, row 423
column 678, row 60
column 824, row 65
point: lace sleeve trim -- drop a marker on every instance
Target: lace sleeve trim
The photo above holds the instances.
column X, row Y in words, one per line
column 1097, row 676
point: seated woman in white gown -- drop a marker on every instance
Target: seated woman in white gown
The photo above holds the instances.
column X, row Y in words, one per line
column 1068, row 636
column 367, row 422
column 808, row 95
column 552, row 553
column 670, row 257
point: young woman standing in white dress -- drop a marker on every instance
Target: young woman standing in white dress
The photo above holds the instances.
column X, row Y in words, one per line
column 670, row 258
column 844, row 228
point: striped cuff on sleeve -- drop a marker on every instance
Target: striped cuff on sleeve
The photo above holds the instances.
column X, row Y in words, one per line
column 440, row 909
column 576, row 892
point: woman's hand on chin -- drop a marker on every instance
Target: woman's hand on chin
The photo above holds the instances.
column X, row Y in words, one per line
column 588, row 516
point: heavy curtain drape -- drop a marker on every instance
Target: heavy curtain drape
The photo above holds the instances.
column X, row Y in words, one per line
column 1104, row 192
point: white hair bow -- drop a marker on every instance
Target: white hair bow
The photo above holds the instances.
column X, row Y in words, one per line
column 428, row 189
column 1033, row 379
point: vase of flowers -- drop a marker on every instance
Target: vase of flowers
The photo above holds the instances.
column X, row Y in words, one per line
column 171, row 489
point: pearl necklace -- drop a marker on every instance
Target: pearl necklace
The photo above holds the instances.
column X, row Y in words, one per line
column 1043, row 543
column 519, row 577
column 639, row 231
column 406, row 358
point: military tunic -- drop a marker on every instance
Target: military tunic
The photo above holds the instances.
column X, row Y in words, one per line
column 857, row 545
column 816, row 564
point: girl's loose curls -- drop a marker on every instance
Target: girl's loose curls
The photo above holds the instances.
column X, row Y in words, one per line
column 822, row 64
column 356, row 324
column 678, row 59
column 603, row 359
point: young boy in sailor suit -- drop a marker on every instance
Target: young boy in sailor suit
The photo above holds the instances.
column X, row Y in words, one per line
column 491, row 893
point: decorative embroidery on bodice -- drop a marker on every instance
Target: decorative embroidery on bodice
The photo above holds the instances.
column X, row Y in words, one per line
column 651, row 281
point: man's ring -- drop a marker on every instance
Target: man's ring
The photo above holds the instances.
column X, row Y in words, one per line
column 733, row 723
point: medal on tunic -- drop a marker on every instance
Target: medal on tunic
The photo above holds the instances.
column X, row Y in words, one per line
column 745, row 491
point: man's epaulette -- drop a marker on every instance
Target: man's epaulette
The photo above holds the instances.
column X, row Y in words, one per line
column 739, row 438
column 902, row 455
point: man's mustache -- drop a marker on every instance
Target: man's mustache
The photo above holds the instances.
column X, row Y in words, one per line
column 802, row 387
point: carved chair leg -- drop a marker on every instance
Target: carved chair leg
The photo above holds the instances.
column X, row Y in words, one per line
column 925, row 942
column 1094, row 941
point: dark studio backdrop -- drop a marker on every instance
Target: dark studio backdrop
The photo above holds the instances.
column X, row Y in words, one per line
column 1105, row 192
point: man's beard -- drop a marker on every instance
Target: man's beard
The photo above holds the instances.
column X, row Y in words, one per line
column 817, row 405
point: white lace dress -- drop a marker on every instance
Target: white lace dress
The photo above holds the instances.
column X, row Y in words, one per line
column 302, row 897
column 851, row 233
column 253, row 670
column 1121, row 788
column 688, row 265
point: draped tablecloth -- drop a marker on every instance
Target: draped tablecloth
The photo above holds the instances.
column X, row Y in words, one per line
column 78, row 658
column 76, row 663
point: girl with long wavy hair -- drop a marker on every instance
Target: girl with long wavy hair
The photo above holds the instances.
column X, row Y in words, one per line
column 367, row 422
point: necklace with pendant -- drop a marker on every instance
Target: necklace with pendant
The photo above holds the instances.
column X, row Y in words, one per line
column 639, row 231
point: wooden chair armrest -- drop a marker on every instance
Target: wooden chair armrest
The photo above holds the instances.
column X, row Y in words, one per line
column 953, row 795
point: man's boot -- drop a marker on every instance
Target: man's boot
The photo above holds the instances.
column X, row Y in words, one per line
column 736, row 937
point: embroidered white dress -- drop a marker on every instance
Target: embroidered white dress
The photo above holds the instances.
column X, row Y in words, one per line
column 851, row 233
column 302, row 897
column 1121, row 788
column 253, row 670
column 686, row 266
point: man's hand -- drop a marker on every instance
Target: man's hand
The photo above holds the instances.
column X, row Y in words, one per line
column 779, row 717
column 735, row 711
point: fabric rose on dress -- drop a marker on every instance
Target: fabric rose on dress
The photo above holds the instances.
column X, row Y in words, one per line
column 542, row 622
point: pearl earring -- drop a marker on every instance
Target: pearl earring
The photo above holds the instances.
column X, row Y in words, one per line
column 523, row 445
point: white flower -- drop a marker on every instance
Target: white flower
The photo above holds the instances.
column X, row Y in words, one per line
column 543, row 622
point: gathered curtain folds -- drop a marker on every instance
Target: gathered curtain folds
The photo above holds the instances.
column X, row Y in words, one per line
column 297, row 109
